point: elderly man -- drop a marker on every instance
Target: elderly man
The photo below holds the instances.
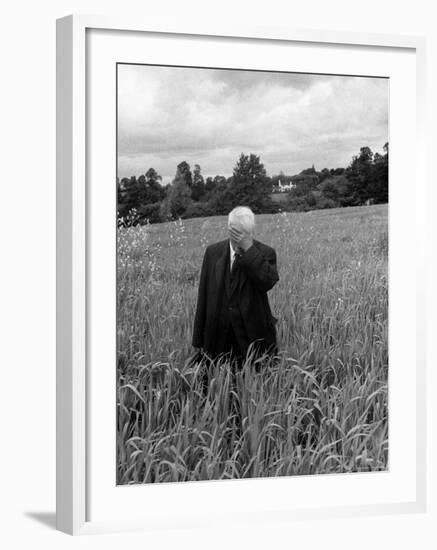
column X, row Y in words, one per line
column 233, row 310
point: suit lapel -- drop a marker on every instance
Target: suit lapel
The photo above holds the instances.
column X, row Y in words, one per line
column 220, row 266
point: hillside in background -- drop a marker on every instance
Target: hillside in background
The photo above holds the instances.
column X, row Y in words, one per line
column 145, row 200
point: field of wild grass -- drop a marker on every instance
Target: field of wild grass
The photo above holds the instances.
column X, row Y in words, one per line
column 320, row 407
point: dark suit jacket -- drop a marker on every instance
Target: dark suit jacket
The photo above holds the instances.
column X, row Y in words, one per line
column 257, row 275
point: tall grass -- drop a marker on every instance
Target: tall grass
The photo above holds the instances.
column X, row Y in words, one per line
column 320, row 406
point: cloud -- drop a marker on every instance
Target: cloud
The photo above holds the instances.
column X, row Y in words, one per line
column 210, row 116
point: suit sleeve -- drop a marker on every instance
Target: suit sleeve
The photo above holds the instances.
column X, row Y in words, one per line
column 260, row 268
column 199, row 318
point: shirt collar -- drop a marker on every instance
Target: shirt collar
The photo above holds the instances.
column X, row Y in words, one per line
column 231, row 249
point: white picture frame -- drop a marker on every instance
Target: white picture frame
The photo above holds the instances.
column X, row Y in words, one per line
column 74, row 396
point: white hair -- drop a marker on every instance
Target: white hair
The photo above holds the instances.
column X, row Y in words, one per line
column 244, row 215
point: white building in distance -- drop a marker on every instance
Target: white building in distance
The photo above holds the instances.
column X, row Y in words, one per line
column 284, row 187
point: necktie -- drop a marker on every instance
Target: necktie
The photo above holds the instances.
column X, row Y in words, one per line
column 234, row 262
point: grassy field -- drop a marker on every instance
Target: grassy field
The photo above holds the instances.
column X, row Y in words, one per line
column 321, row 407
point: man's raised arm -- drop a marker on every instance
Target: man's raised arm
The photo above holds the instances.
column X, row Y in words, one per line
column 260, row 267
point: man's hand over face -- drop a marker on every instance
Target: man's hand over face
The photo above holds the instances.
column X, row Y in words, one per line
column 239, row 236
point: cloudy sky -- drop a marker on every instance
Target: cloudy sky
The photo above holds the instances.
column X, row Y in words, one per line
column 210, row 116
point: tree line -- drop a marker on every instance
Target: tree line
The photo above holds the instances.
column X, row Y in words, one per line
column 145, row 200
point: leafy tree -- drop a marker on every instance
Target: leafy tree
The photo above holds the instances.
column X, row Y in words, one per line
column 165, row 214
column 304, row 182
column 219, row 184
column 198, row 185
column 309, row 171
column 337, row 171
column 198, row 210
column 297, row 204
column 209, row 189
column 154, row 190
column 129, row 195
column 249, row 184
column 335, row 188
column 179, row 194
column 138, row 194
column 122, row 197
column 378, row 187
column 215, row 189
column 150, row 213
column 359, row 174
column 324, row 174
column 183, row 172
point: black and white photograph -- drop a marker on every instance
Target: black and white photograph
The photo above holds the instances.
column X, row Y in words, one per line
column 218, row 279
column 252, row 273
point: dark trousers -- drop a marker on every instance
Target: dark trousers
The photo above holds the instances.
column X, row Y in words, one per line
column 232, row 352
column 233, row 348
column 236, row 358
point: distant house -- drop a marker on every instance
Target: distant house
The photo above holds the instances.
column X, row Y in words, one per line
column 307, row 179
column 284, row 187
